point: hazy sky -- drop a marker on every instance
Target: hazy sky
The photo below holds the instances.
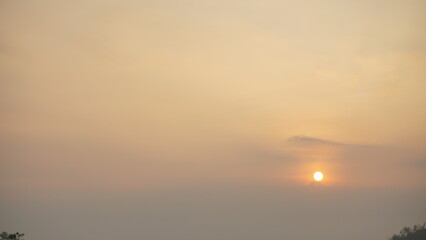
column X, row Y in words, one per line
column 205, row 120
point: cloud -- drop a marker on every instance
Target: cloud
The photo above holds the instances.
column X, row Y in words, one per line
column 349, row 164
column 310, row 140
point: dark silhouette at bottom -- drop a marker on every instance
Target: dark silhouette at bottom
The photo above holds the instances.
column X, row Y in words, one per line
column 11, row 236
column 418, row 232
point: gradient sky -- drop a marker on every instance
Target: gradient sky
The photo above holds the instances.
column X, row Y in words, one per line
column 199, row 119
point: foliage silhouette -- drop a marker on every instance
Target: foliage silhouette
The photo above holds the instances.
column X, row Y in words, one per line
column 418, row 232
column 11, row 236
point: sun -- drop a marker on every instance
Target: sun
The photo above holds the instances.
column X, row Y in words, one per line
column 318, row 176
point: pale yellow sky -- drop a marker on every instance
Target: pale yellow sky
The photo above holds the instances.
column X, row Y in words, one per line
column 167, row 75
column 351, row 72
column 123, row 96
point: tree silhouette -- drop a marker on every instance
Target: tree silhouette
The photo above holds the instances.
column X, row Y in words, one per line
column 11, row 236
column 418, row 232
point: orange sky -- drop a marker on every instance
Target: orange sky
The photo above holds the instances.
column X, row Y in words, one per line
column 125, row 96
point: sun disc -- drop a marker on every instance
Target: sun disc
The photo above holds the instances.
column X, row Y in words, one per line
column 318, row 176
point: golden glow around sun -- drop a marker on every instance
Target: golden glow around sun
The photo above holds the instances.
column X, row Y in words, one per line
column 318, row 176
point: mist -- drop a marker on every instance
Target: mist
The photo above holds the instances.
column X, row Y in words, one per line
column 206, row 120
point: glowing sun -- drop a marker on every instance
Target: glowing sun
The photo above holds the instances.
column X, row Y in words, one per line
column 318, row 176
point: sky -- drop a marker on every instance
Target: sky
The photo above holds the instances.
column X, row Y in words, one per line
column 200, row 119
